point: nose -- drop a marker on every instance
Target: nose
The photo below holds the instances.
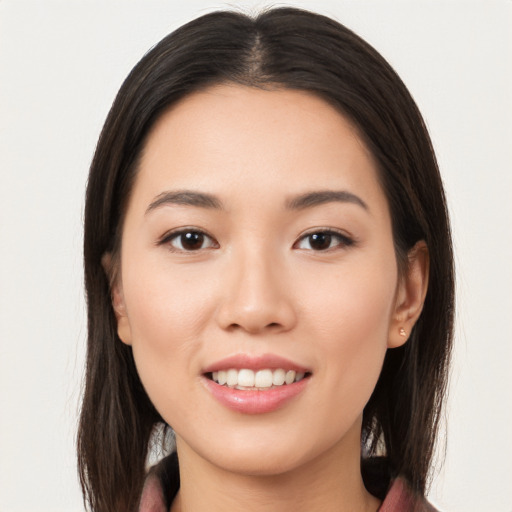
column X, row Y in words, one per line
column 256, row 297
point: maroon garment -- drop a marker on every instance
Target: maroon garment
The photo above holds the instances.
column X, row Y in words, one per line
column 152, row 499
column 399, row 498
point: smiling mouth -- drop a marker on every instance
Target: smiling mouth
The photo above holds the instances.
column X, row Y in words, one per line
column 261, row 380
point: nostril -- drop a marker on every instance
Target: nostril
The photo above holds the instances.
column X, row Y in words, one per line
column 253, row 328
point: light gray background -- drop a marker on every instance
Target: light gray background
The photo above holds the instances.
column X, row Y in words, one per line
column 61, row 64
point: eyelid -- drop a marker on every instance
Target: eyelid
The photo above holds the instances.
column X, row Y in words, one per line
column 346, row 239
column 167, row 237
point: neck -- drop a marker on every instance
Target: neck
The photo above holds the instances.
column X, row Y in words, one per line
column 330, row 483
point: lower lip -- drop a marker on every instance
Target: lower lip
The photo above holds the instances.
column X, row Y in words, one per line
column 255, row 402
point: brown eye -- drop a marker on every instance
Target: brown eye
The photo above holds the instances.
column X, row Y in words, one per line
column 320, row 241
column 190, row 241
column 323, row 240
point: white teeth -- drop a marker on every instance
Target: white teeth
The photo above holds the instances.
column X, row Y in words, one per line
column 261, row 379
column 290, row 377
column 232, row 377
column 222, row 377
column 246, row 378
column 278, row 377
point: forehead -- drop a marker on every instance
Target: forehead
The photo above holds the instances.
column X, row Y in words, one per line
column 230, row 137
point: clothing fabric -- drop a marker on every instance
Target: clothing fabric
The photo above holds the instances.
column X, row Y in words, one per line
column 162, row 485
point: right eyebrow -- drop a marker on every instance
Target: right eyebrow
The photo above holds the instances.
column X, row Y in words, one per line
column 185, row 197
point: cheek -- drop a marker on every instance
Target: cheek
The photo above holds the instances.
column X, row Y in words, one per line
column 356, row 302
column 166, row 304
column 167, row 315
column 350, row 317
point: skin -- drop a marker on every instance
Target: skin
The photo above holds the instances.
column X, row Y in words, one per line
column 258, row 286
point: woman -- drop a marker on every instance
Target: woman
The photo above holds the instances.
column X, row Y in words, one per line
column 269, row 273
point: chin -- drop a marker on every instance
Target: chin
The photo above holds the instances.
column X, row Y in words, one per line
column 248, row 453
column 258, row 463
column 277, row 451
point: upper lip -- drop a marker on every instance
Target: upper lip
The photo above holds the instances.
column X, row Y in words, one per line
column 255, row 362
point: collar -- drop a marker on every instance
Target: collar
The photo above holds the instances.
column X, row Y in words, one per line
column 162, row 484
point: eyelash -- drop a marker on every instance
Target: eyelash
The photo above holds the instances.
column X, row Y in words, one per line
column 343, row 241
column 168, row 238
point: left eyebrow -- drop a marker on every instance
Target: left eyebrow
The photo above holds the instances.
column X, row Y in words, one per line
column 319, row 197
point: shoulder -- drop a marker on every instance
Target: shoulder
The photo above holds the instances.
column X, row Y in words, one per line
column 395, row 492
column 161, row 485
column 400, row 498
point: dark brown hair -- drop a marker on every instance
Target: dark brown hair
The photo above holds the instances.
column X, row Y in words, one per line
column 283, row 48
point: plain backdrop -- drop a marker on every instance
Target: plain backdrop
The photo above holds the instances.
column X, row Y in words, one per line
column 61, row 64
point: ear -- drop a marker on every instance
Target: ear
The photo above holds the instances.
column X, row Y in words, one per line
column 117, row 296
column 411, row 292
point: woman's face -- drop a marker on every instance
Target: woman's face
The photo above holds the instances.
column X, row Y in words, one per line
column 257, row 248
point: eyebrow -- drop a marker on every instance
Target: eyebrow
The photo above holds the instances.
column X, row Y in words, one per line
column 300, row 202
column 185, row 197
column 319, row 197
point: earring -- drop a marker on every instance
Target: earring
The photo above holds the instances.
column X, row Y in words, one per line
column 402, row 332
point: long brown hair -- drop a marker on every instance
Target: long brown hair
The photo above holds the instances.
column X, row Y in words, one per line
column 294, row 49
